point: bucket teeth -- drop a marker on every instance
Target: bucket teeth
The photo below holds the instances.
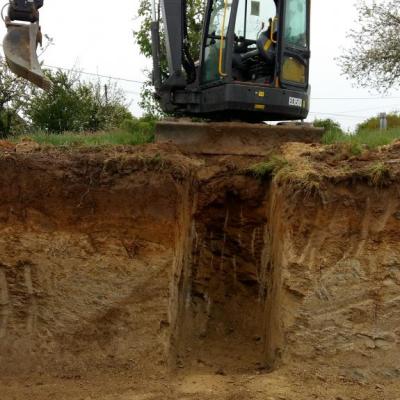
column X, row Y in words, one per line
column 20, row 46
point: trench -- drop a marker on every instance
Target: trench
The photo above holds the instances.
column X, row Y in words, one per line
column 166, row 269
column 228, row 319
column 147, row 267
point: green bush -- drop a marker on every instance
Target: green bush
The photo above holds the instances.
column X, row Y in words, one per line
column 14, row 94
column 133, row 125
column 328, row 124
column 76, row 106
column 393, row 120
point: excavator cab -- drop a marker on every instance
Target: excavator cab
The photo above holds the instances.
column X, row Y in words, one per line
column 254, row 62
column 253, row 66
column 254, row 47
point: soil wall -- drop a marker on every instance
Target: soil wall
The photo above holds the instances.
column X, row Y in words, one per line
column 337, row 277
column 147, row 262
column 87, row 243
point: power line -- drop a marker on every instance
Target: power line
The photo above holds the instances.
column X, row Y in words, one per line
column 337, row 115
column 376, row 108
column 95, row 74
column 355, row 98
column 92, row 73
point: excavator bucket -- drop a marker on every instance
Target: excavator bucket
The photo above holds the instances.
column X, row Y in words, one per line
column 20, row 46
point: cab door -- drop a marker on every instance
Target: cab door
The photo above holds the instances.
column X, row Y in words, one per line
column 215, row 49
column 294, row 38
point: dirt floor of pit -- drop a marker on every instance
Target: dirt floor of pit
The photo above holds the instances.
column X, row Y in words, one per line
column 144, row 273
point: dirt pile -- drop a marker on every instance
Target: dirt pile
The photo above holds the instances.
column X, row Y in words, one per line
column 119, row 267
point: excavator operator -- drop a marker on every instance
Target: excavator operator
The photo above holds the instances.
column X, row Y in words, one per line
column 256, row 58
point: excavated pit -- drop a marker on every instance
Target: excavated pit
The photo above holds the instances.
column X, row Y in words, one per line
column 223, row 318
column 146, row 262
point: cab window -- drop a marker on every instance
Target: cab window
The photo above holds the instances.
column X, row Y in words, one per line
column 253, row 17
column 295, row 32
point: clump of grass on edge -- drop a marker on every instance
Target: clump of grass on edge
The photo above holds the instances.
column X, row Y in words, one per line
column 301, row 177
column 379, row 174
column 155, row 162
column 268, row 168
column 299, row 174
column 345, row 150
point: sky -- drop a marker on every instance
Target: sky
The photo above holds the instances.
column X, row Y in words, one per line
column 95, row 36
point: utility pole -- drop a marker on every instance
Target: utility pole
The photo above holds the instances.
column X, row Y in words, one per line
column 106, row 94
column 383, row 125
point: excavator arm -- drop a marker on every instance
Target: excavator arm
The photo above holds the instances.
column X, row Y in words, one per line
column 180, row 64
column 23, row 37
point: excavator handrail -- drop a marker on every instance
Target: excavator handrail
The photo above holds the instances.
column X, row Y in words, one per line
column 273, row 26
column 221, row 50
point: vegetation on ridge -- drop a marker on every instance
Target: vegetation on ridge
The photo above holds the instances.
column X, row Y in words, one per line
column 132, row 132
column 371, row 139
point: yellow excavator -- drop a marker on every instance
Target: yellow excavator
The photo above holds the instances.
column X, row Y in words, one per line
column 253, row 65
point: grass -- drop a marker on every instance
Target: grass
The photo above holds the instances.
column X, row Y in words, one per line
column 267, row 168
column 379, row 174
column 371, row 139
column 115, row 137
column 301, row 177
column 132, row 132
column 298, row 174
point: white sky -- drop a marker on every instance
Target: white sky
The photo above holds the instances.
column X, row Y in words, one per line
column 96, row 36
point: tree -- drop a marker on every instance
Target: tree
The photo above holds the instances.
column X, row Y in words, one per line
column 14, row 92
column 194, row 13
column 76, row 106
column 373, row 60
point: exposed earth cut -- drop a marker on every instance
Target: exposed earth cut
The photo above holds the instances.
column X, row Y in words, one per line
column 144, row 273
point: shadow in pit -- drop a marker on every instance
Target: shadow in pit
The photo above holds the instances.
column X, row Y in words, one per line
column 226, row 309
